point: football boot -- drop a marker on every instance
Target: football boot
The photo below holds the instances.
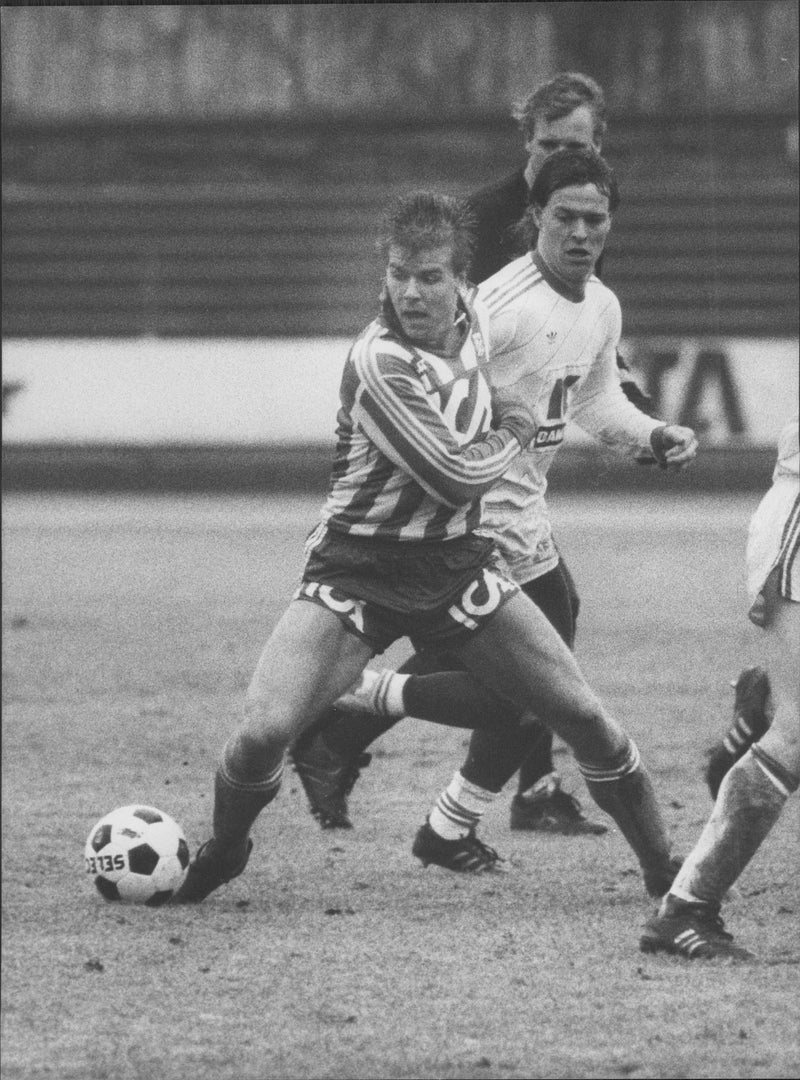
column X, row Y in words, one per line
column 207, row 871
column 467, row 855
column 694, row 931
column 327, row 778
column 552, row 810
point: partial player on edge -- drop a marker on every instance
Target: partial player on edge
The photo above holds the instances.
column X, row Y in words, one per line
column 755, row 789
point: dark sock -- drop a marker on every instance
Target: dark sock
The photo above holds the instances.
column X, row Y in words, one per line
column 624, row 790
column 494, row 755
column 350, row 733
column 538, row 763
column 236, row 807
column 454, row 699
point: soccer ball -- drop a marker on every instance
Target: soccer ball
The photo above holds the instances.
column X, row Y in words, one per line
column 137, row 854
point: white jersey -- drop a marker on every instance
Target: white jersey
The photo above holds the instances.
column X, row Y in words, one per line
column 541, row 327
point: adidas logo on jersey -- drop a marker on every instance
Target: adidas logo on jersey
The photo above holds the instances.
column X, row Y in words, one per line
column 551, row 336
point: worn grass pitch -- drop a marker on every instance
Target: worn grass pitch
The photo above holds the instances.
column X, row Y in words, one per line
column 131, row 628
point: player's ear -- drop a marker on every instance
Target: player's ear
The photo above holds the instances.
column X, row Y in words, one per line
column 536, row 213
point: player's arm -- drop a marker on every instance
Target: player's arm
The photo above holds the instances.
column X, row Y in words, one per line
column 602, row 409
column 393, row 409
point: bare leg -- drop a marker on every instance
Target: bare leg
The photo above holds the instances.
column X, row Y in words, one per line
column 308, row 661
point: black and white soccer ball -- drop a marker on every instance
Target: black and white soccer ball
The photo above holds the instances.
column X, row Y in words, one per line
column 137, row 854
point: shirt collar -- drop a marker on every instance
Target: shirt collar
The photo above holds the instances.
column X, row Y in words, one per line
column 574, row 293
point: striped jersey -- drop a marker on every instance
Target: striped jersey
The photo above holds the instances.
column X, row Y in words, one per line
column 415, row 449
column 788, row 463
column 566, row 341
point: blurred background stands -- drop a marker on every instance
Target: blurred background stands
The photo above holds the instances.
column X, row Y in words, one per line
column 218, row 171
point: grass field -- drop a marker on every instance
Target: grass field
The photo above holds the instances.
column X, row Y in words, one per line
column 131, row 627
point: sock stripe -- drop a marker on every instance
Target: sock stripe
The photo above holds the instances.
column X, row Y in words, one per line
column 784, row 780
column 269, row 783
column 790, row 543
column 629, row 764
column 381, row 692
column 455, row 812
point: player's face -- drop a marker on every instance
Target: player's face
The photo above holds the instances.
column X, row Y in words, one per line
column 572, row 132
column 424, row 293
column 573, row 227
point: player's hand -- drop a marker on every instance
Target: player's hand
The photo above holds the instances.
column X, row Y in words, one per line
column 674, row 447
column 511, row 411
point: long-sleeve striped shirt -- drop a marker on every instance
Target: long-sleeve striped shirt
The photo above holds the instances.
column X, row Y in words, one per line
column 415, row 449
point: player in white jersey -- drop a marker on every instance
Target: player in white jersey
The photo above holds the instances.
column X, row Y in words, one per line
column 754, row 791
column 396, row 555
column 562, row 339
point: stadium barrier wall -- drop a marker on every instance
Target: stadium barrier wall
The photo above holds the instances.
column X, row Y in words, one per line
column 186, row 414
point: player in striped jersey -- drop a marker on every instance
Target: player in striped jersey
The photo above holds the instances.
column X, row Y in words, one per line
column 567, row 111
column 554, row 330
column 754, row 791
column 396, row 553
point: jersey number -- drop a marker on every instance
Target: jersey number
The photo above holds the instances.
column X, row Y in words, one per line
column 558, row 398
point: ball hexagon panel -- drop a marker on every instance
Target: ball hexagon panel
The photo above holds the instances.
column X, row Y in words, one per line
column 143, row 859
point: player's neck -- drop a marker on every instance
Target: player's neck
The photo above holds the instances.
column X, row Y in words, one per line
column 570, row 290
column 448, row 345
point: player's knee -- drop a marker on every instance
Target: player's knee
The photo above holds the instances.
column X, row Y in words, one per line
column 265, row 725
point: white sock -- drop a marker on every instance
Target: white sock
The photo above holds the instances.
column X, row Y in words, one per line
column 377, row 692
column 459, row 808
column 750, row 800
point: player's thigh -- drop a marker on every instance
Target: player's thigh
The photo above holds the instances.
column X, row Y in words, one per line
column 520, row 657
column 551, row 594
column 309, row 660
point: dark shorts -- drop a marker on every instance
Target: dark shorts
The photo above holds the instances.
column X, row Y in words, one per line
column 434, row 594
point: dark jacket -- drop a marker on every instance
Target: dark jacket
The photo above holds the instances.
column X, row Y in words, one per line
column 498, row 208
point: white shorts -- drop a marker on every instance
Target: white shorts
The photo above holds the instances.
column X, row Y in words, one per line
column 773, row 540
